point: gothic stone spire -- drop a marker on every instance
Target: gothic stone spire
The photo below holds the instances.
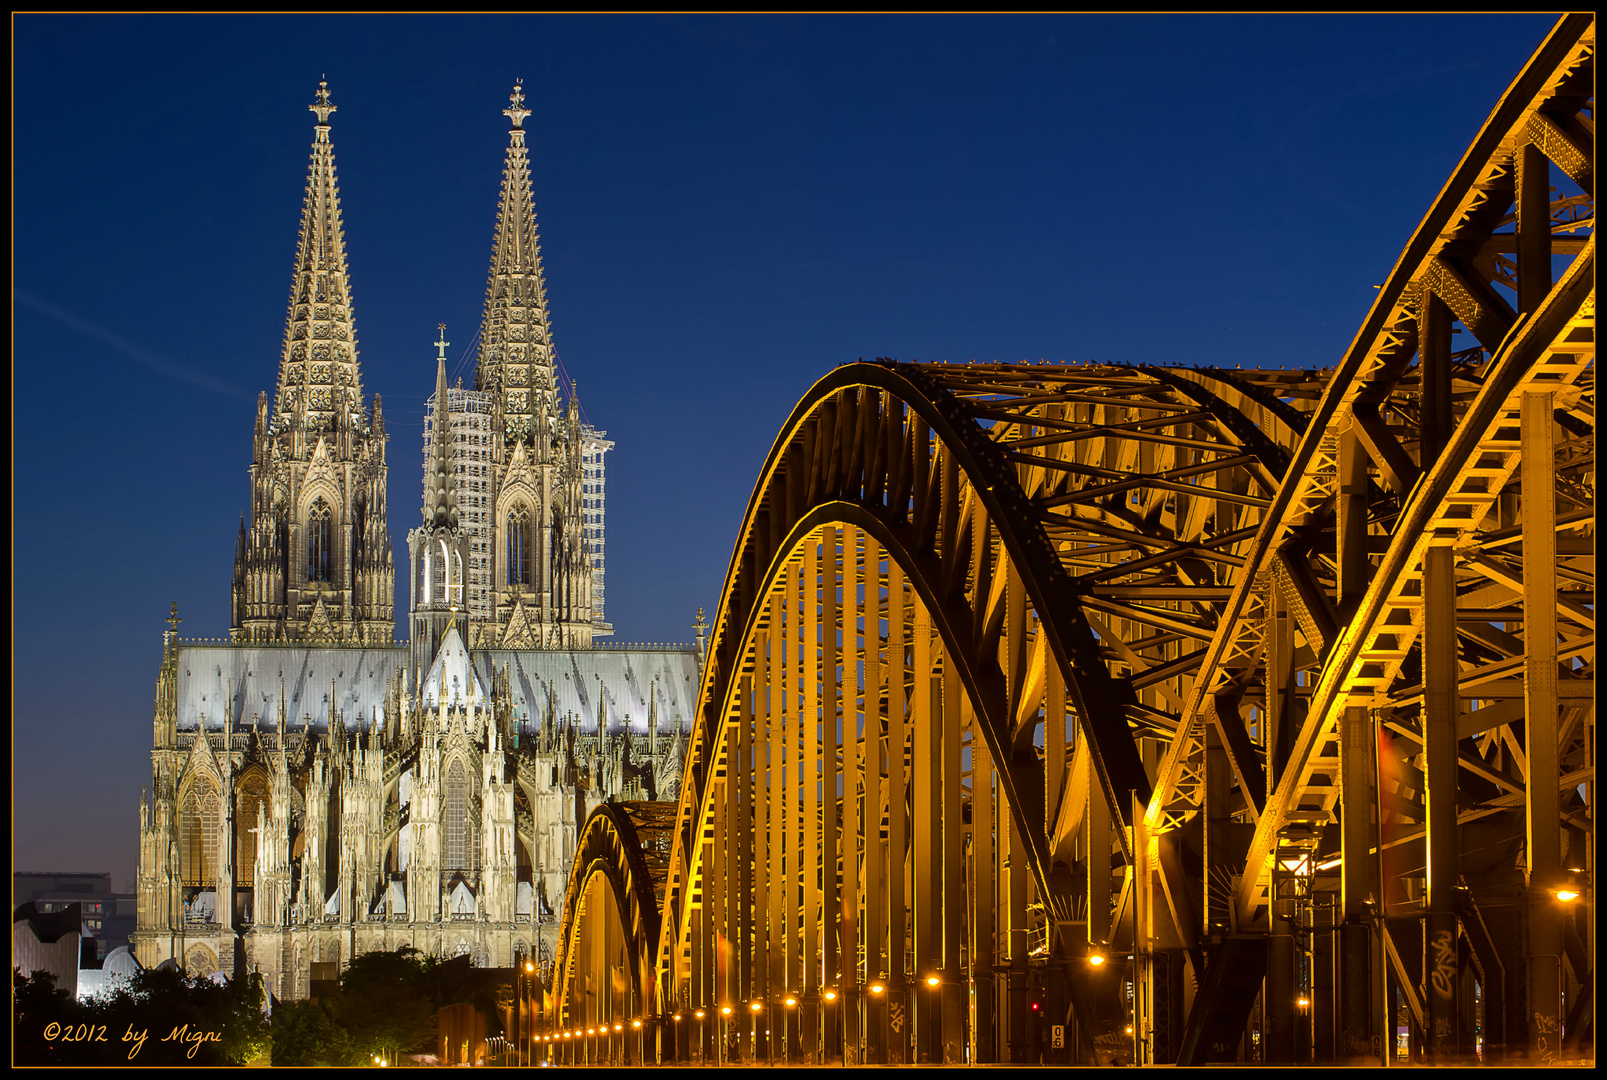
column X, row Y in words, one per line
column 440, row 490
column 318, row 374
column 516, row 358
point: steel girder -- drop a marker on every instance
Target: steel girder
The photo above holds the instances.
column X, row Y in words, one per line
column 1201, row 605
column 1070, row 533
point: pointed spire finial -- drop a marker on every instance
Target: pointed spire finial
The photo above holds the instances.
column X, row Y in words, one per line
column 173, row 619
column 517, row 112
column 441, row 344
column 323, row 106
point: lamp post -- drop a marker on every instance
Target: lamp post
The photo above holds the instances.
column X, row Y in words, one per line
column 828, row 998
column 702, row 1036
column 524, row 1012
column 786, row 1036
column 930, row 1041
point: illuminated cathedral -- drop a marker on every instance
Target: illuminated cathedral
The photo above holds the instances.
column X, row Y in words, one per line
column 321, row 789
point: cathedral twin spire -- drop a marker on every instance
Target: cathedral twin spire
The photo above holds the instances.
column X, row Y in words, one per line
column 319, row 381
column 315, row 562
column 516, row 362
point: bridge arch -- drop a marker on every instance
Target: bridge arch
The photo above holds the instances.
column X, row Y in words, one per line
column 935, row 492
column 611, row 917
column 1020, row 665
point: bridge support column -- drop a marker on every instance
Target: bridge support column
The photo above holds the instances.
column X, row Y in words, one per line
column 900, row 1002
column 1359, row 894
column 1020, row 1018
column 951, row 902
column 1441, row 705
column 1278, row 999
column 926, row 858
column 1544, row 848
column 984, row 957
column 814, row 821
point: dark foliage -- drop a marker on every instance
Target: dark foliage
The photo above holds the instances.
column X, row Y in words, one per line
column 161, row 1018
column 306, row 1033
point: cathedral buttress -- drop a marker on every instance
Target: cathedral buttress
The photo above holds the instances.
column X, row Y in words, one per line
column 315, row 563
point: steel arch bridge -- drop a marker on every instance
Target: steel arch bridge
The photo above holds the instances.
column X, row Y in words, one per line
column 1156, row 714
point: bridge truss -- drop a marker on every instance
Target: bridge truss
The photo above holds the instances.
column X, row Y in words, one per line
column 1156, row 714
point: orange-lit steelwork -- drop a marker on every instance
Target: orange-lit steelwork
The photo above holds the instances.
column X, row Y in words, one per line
column 1172, row 715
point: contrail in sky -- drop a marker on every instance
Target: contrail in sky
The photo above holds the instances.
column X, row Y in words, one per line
column 143, row 357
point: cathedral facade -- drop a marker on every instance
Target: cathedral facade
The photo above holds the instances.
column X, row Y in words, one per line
column 320, row 789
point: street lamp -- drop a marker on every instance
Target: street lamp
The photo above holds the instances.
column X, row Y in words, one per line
column 830, row 996
column 934, row 982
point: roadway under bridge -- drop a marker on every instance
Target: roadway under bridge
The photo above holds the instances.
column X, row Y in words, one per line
column 1155, row 714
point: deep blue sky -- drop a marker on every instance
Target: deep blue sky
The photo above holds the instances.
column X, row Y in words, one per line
column 729, row 207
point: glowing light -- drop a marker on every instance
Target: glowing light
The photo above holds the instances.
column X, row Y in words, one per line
column 792, row 1002
column 677, row 1017
column 1096, row 959
column 1129, row 1029
column 1567, row 895
column 725, row 1010
column 636, row 1023
column 619, row 1027
column 1303, row 1002
column 877, row 988
column 698, row 1014
column 933, row 980
column 755, row 1005
column 530, row 967
column 831, row 995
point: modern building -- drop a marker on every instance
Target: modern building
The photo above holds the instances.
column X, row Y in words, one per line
column 594, row 444
column 107, row 916
column 320, row 789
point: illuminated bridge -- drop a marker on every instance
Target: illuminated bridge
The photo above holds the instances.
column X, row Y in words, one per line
column 1155, row 714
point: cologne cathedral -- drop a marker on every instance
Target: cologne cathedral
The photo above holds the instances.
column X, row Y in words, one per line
column 321, row 789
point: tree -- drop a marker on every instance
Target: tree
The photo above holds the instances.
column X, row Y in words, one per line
column 385, row 1002
column 306, row 1033
column 163, row 1018
column 36, row 1003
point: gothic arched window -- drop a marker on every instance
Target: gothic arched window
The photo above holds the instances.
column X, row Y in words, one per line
column 318, row 542
column 556, row 547
column 458, row 830
column 252, row 793
column 198, row 835
column 519, row 545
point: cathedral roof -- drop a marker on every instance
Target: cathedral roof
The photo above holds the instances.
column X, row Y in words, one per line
column 258, row 680
column 318, row 369
column 453, row 671
column 570, row 681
